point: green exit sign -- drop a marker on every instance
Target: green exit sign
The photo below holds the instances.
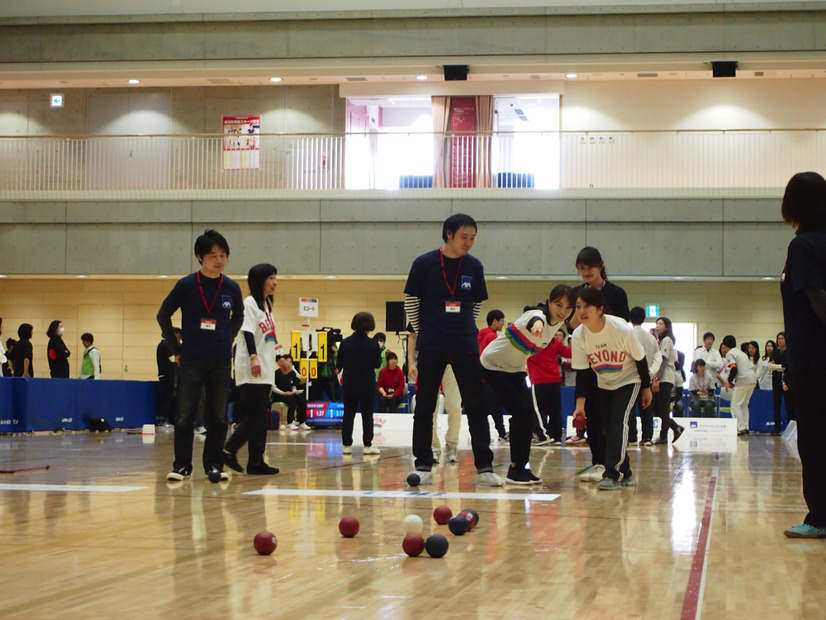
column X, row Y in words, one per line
column 652, row 311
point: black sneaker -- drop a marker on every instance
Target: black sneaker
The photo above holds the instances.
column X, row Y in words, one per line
column 519, row 476
column 231, row 461
column 178, row 474
column 535, row 479
column 677, row 432
column 261, row 469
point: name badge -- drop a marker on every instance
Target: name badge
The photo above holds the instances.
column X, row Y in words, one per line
column 453, row 306
column 208, row 324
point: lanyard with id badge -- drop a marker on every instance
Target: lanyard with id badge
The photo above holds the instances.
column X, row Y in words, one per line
column 208, row 324
column 453, row 307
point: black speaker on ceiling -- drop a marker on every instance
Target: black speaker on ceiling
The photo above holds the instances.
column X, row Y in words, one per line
column 394, row 316
column 724, row 69
column 456, row 72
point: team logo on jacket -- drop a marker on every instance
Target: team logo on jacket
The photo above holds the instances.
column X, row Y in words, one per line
column 226, row 302
column 607, row 362
column 467, row 282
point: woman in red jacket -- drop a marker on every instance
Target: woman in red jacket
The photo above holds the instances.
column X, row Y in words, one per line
column 390, row 385
column 546, row 382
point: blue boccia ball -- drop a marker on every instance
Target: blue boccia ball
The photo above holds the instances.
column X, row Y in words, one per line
column 413, row 480
column 458, row 525
column 436, row 546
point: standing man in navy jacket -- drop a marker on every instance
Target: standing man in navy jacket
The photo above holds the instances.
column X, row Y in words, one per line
column 212, row 312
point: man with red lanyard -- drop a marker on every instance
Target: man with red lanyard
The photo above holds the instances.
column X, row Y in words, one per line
column 212, row 312
column 443, row 297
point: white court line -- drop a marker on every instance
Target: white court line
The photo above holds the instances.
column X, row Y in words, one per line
column 521, row 497
column 69, row 488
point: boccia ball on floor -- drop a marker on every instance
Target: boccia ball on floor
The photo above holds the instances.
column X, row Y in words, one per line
column 413, row 480
column 412, row 524
column 458, row 525
column 471, row 520
column 265, row 542
column 413, row 544
column 436, row 546
column 442, row 514
column 475, row 516
column 214, row 476
column 348, row 526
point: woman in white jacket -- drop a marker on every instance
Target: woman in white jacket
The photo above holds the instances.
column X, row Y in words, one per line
column 664, row 380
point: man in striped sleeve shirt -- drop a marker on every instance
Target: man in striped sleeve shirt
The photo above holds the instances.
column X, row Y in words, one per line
column 443, row 297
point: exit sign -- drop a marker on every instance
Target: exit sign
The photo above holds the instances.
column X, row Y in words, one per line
column 652, row 311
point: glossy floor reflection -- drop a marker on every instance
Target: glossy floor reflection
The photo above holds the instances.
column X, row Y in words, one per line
column 184, row 550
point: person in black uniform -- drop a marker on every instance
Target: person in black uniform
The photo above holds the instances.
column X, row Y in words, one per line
column 358, row 357
column 803, row 289
column 167, row 376
column 591, row 269
column 57, row 352
column 23, row 363
column 780, row 388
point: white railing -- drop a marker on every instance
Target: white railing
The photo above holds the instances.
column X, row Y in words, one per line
column 153, row 165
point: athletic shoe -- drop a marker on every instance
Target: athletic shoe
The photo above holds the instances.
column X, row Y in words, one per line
column 505, row 438
column 178, row 474
column 200, row 430
column 371, row 450
column 536, row 441
column 628, row 481
column 577, row 440
column 661, row 440
column 304, row 427
column 677, row 432
column 517, row 475
column 534, row 479
column 224, row 475
column 437, row 456
column 606, row 484
column 647, row 442
column 292, row 426
column 592, row 474
column 452, row 456
column 489, row 479
column 231, row 461
column 347, row 450
column 425, row 477
column 742, row 432
column 554, row 442
column 802, row 530
column 260, row 469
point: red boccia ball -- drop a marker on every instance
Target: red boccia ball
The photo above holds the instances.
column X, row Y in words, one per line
column 265, row 542
column 413, row 544
column 471, row 519
column 442, row 514
column 348, row 526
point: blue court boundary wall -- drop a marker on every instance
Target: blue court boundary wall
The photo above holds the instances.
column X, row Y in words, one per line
column 53, row 404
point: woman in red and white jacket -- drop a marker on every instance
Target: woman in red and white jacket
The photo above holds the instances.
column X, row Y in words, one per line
column 546, row 383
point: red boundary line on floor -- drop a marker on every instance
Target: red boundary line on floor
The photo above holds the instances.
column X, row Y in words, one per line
column 695, row 578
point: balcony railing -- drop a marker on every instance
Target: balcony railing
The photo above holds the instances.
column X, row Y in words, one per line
column 150, row 166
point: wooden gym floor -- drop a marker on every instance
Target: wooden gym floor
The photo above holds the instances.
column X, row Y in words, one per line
column 101, row 534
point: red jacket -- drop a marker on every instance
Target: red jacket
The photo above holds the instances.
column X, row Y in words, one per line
column 391, row 380
column 485, row 337
column 543, row 367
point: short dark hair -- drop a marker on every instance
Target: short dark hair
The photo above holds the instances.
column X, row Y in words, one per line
column 455, row 222
column 591, row 296
column 204, row 243
column 52, row 331
column 363, row 322
column 804, row 202
column 256, row 277
column 25, row 331
column 495, row 315
column 87, row 337
column 562, row 291
column 708, row 335
column 392, row 356
column 637, row 315
column 286, row 356
column 699, row 362
column 379, row 336
column 589, row 256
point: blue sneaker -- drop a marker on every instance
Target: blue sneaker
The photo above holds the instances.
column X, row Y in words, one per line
column 802, row 530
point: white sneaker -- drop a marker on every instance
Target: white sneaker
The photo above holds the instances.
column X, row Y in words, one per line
column 304, row 427
column 452, row 456
column 371, row 450
column 425, row 477
column 437, row 455
column 200, row 430
column 347, row 450
column 293, row 426
column 489, row 479
column 592, row 474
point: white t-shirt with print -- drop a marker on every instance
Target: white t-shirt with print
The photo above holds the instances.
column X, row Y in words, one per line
column 262, row 326
column 512, row 347
column 612, row 352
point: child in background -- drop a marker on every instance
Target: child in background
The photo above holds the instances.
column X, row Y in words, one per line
column 391, row 385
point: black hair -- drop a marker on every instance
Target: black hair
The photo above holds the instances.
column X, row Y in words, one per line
column 590, row 257
column 87, row 337
column 699, row 362
column 561, row 291
column 637, row 315
column 455, row 222
column 780, row 334
column 52, row 331
column 669, row 330
column 804, row 202
column 591, row 296
column 380, row 336
column 256, row 278
column 392, row 356
column 756, row 357
column 286, row 356
column 204, row 243
column 708, row 335
column 10, row 342
column 25, row 331
column 766, row 347
column 363, row 322
column 495, row 315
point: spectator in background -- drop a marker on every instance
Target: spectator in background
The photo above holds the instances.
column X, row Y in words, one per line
column 764, row 379
column 90, row 363
column 57, row 352
column 702, row 386
column 8, row 364
column 486, row 335
column 3, row 360
column 290, row 391
column 709, row 354
column 391, row 385
column 167, row 377
column 381, row 339
column 665, row 379
column 23, row 353
column 780, row 388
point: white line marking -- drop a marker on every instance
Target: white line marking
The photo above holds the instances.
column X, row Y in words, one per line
column 68, row 488
column 521, row 497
